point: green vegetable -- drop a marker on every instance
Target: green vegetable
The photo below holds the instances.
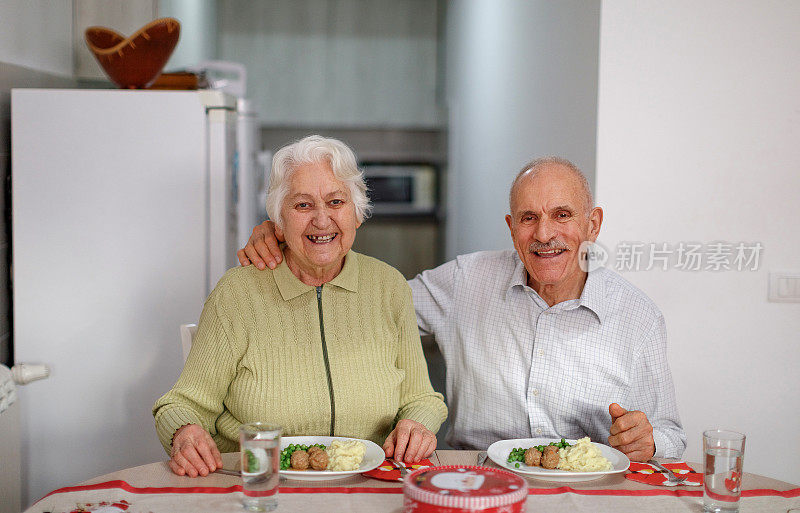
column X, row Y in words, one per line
column 518, row 453
column 286, row 454
column 252, row 461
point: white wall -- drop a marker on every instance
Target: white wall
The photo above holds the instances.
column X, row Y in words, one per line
column 521, row 83
column 699, row 140
column 37, row 34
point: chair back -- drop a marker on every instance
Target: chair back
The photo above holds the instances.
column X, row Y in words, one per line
column 187, row 337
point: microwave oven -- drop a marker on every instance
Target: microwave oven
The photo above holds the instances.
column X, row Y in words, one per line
column 401, row 189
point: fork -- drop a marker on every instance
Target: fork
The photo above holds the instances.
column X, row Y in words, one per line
column 399, row 465
column 671, row 477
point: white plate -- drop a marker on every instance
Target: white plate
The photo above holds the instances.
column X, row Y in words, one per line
column 498, row 452
column 372, row 458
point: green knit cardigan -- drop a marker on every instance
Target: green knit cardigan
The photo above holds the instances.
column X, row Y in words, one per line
column 343, row 359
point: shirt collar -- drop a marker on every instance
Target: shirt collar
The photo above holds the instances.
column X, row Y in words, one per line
column 290, row 285
column 348, row 278
column 594, row 292
column 592, row 296
column 519, row 278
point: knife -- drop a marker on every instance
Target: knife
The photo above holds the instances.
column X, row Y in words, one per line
column 481, row 458
column 228, row 472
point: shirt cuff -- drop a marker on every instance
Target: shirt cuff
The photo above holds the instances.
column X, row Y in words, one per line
column 430, row 417
column 661, row 442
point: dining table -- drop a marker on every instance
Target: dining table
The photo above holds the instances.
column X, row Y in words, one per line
column 153, row 488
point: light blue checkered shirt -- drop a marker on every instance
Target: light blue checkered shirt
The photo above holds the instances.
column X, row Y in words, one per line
column 517, row 368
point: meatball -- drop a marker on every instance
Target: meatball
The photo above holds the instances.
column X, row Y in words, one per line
column 299, row 460
column 550, row 457
column 313, row 449
column 533, row 457
column 319, row 459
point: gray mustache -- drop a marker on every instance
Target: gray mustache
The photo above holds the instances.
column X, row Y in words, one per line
column 548, row 246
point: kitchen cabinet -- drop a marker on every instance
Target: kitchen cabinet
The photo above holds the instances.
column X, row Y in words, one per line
column 346, row 63
column 411, row 245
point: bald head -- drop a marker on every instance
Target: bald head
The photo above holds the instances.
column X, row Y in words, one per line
column 556, row 165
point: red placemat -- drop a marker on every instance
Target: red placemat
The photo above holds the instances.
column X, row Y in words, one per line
column 648, row 474
column 388, row 472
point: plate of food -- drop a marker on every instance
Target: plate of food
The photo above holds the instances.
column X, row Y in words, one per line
column 565, row 460
column 323, row 458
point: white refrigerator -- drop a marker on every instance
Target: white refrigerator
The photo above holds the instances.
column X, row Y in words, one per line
column 123, row 219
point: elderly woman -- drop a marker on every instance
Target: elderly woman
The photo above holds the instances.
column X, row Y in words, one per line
column 325, row 344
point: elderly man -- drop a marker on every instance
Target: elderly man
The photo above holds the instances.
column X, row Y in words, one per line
column 535, row 346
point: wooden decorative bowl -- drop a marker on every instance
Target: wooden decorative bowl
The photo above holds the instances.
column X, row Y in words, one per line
column 136, row 61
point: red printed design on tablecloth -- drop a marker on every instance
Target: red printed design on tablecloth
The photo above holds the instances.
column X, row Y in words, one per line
column 102, row 507
column 149, row 490
column 648, row 474
column 387, row 471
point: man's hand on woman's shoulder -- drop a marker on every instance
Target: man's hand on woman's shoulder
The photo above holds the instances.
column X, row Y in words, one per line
column 262, row 248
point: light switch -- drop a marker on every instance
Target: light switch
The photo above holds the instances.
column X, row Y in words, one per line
column 784, row 287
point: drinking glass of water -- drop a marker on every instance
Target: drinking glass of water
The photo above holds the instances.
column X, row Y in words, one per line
column 722, row 485
column 260, row 447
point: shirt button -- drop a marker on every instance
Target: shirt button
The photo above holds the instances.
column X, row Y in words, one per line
column 538, row 431
column 541, row 352
column 535, row 391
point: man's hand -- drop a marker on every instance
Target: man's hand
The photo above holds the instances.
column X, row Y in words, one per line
column 410, row 441
column 631, row 433
column 262, row 248
column 194, row 452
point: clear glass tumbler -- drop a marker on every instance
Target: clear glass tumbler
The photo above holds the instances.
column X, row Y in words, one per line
column 260, row 446
column 722, row 484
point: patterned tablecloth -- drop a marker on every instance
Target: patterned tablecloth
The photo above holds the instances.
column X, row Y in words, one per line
column 153, row 488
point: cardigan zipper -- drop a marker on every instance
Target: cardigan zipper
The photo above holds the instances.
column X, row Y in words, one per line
column 325, row 357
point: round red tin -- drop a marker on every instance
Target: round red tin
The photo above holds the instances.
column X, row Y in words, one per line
column 464, row 489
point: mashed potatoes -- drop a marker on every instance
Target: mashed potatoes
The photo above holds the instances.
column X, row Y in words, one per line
column 583, row 457
column 345, row 454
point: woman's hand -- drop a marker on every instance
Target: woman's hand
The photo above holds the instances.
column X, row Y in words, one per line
column 194, row 452
column 262, row 248
column 410, row 441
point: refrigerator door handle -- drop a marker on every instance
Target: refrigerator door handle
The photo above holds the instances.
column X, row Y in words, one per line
column 24, row 373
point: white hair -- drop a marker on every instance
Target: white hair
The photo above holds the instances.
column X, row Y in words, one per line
column 310, row 150
column 534, row 166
